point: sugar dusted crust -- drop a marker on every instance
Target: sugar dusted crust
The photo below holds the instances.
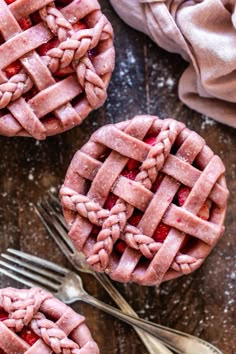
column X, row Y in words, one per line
column 57, row 325
column 87, row 54
column 184, row 159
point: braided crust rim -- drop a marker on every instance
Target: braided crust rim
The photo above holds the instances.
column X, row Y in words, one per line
column 33, row 308
column 70, row 100
column 83, row 205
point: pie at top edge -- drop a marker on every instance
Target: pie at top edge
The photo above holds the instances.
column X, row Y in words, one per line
column 56, row 63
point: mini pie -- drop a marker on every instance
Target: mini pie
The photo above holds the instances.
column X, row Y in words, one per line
column 33, row 321
column 145, row 200
column 56, row 60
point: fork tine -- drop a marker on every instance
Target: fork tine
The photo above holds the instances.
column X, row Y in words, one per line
column 38, row 279
column 39, row 261
column 51, row 210
column 53, row 230
column 55, row 225
column 56, row 206
column 56, row 211
column 54, row 200
column 49, row 274
column 52, row 219
column 20, row 279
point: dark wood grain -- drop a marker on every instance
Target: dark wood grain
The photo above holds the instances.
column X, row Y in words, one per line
column 145, row 80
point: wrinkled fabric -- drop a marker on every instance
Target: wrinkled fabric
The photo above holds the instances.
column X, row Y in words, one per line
column 203, row 32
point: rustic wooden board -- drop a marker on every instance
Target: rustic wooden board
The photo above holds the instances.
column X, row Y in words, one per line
column 145, row 80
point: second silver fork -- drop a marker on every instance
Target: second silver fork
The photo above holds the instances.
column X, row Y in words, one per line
column 49, row 211
column 68, row 287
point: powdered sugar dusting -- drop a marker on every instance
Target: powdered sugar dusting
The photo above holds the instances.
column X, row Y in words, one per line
column 207, row 122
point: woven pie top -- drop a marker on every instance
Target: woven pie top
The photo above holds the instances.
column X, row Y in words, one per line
column 33, row 321
column 145, row 200
column 55, row 64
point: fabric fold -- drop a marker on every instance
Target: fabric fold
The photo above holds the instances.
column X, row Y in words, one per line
column 203, row 32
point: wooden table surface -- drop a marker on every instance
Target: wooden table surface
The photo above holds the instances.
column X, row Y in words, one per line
column 145, row 81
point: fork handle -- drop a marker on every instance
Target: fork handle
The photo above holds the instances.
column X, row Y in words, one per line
column 181, row 343
column 152, row 344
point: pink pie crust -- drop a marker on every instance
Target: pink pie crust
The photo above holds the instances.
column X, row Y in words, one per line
column 58, row 86
column 58, row 327
column 179, row 160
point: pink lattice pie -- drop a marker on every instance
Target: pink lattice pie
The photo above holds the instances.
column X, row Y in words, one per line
column 145, row 200
column 33, row 321
column 56, row 60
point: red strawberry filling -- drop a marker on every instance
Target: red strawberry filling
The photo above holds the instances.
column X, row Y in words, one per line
column 133, row 165
column 26, row 334
column 130, row 171
column 3, row 315
column 120, row 246
column 130, row 174
column 111, row 201
column 44, row 48
column 157, row 182
column 31, row 93
column 95, row 230
column 13, row 69
column 25, row 23
column 204, row 212
column 63, row 2
column 135, row 218
column 161, row 232
column 80, row 25
column 35, row 18
column 150, row 141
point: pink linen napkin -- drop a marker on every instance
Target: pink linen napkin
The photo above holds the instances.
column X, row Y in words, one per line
column 203, row 32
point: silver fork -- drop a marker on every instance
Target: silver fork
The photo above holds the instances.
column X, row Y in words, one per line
column 50, row 213
column 68, row 287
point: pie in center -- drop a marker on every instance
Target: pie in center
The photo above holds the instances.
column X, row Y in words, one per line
column 145, row 200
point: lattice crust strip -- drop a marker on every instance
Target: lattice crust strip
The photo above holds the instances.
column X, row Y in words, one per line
column 58, row 327
column 85, row 54
column 183, row 160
